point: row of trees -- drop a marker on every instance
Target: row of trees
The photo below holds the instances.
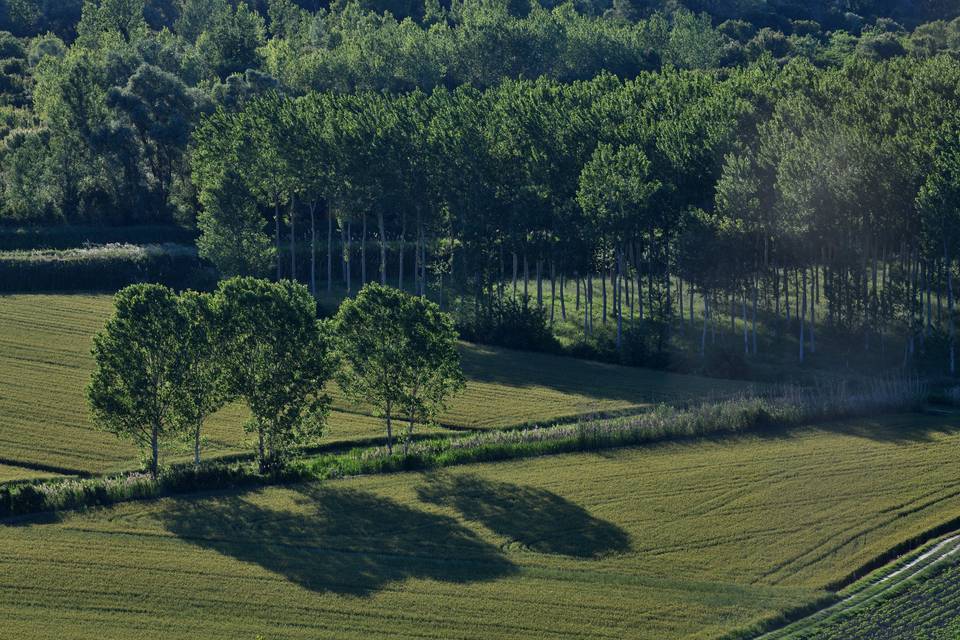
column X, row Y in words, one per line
column 781, row 190
column 96, row 127
column 166, row 362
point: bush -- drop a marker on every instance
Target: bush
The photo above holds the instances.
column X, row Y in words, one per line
column 515, row 324
column 726, row 363
column 104, row 268
column 77, row 237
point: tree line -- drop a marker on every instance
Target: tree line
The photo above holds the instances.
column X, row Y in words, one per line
column 165, row 362
column 98, row 102
column 780, row 190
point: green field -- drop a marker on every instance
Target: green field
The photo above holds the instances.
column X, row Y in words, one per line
column 45, row 364
column 673, row 541
column 924, row 609
column 8, row 472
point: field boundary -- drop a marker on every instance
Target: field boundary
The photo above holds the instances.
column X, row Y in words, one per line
column 39, row 466
column 922, row 559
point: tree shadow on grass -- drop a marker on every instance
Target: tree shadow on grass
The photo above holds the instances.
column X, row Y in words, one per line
column 341, row 541
column 535, row 518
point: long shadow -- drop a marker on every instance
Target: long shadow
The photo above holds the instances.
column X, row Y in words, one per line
column 536, row 518
column 598, row 380
column 338, row 540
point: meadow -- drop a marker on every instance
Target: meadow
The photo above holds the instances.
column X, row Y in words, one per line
column 45, row 364
column 678, row 540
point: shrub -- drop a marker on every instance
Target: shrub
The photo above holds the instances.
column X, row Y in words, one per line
column 80, row 236
column 103, row 268
column 515, row 324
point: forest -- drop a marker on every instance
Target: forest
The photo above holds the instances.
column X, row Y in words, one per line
column 796, row 161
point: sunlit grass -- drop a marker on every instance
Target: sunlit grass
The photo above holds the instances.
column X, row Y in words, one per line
column 45, row 364
column 679, row 540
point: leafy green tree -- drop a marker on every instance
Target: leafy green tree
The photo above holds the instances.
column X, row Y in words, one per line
column 162, row 111
column 939, row 204
column 616, row 192
column 204, row 391
column 137, row 389
column 277, row 359
column 398, row 353
column 232, row 231
column 230, row 43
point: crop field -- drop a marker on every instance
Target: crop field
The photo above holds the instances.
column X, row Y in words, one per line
column 925, row 609
column 8, row 473
column 680, row 540
column 45, row 364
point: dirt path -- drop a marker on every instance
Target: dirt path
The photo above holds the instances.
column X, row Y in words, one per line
column 936, row 554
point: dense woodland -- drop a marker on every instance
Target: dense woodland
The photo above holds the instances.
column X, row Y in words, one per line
column 682, row 159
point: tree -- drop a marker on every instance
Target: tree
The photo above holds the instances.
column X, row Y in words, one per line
column 398, row 354
column 230, row 42
column 203, row 388
column 137, row 389
column 277, row 359
column 616, row 192
column 939, row 204
column 163, row 112
column 232, row 231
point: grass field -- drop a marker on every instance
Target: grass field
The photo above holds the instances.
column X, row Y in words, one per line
column 45, row 364
column 673, row 541
column 8, row 473
column 925, row 609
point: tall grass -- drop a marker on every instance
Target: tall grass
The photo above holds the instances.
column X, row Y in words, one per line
column 789, row 408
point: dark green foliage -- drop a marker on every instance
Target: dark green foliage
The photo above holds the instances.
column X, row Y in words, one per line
column 513, row 324
column 106, row 268
column 276, row 357
column 398, row 354
column 77, row 237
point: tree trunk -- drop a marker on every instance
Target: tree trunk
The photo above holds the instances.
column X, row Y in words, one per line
column 261, row 451
column 313, row 249
column 196, row 444
column 603, row 295
column 329, row 248
column 363, row 251
column 514, row 274
column 526, row 279
column 345, row 252
column 154, row 450
column 389, row 417
column 406, row 442
column 383, row 247
column 276, row 233
column 553, row 291
column 588, row 304
column 400, row 250
column 948, row 264
column 617, row 296
column 293, row 239
column 803, row 316
column 539, row 284
column 348, row 254
column 743, row 312
column 706, row 315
